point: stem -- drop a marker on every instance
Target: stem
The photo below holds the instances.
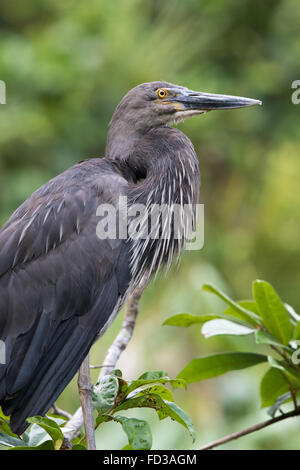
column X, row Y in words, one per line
column 60, row 412
column 124, row 336
column 249, row 430
column 285, row 357
column 85, row 387
column 97, row 367
column 294, row 397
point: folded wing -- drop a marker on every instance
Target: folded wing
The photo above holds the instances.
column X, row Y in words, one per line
column 59, row 285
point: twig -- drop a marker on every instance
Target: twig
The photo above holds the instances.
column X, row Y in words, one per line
column 294, row 397
column 72, row 427
column 281, row 353
column 60, row 412
column 251, row 429
column 124, row 336
column 98, row 367
column 85, row 387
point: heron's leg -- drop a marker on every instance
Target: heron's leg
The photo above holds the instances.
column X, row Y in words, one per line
column 85, row 387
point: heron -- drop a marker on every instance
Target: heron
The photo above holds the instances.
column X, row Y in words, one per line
column 61, row 285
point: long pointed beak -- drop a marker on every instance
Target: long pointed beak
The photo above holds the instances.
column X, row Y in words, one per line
column 191, row 100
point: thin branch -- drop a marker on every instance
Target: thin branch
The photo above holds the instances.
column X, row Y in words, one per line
column 294, row 397
column 98, row 367
column 72, row 427
column 124, row 336
column 85, row 387
column 282, row 354
column 60, row 412
column 251, row 429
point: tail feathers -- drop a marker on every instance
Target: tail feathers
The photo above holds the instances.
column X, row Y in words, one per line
column 59, row 363
column 51, row 385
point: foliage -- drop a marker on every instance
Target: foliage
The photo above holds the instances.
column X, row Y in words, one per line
column 115, row 395
column 271, row 322
column 112, row 396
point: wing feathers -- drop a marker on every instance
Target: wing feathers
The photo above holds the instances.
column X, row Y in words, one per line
column 59, row 285
column 62, row 361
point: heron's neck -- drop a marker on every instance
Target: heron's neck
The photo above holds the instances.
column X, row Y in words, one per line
column 121, row 141
column 170, row 183
column 163, row 158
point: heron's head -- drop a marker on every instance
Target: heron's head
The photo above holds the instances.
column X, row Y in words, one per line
column 157, row 104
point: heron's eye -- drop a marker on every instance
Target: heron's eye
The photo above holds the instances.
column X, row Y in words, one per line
column 161, row 93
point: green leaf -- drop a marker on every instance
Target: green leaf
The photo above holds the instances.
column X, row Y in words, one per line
column 174, row 412
column 273, row 385
column 117, row 373
column 153, row 377
column 292, row 373
column 164, row 408
column 186, row 319
column 297, row 331
column 273, row 311
column 224, row 327
column 51, row 427
column 138, row 432
column 160, row 390
column 47, row 445
column 10, row 441
column 246, row 304
column 35, row 435
column 103, row 419
column 5, row 427
column 237, row 310
column 127, row 447
column 142, row 401
column 105, row 393
column 263, row 337
column 212, row 366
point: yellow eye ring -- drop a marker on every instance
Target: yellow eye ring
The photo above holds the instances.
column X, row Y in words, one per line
column 161, row 93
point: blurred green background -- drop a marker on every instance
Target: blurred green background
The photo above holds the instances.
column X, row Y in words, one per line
column 67, row 65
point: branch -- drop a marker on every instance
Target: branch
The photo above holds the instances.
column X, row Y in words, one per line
column 251, row 429
column 72, row 427
column 123, row 338
column 61, row 412
column 85, row 387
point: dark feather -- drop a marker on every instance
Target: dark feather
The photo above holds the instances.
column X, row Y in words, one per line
column 59, row 284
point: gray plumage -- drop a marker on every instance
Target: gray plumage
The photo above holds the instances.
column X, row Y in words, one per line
column 60, row 285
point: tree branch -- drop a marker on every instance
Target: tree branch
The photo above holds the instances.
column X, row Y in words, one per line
column 85, row 387
column 60, row 412
column 251, row 429
column 72, row 427
column 124, row 336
